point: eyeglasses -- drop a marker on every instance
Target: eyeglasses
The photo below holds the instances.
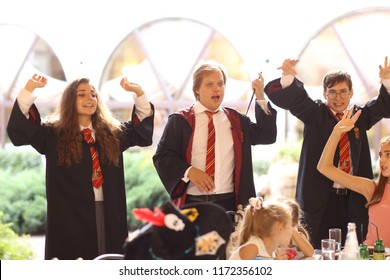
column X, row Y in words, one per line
column 333, row 93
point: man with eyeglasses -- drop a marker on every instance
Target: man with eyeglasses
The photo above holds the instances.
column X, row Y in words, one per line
column 325, row 204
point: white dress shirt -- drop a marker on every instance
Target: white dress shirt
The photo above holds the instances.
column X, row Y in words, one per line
column 224, row 153
column 224, row 150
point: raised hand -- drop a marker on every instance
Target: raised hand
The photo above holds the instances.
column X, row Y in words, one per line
column 288, row 67
column 36, row 81
column 384, row 71
column 258, row 87
column 347, row 122
column 129, row 86
column 281, row 255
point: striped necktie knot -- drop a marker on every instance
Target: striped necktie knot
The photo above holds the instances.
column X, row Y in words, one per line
column 210, row 114
column 87, row 133
column 339, row 115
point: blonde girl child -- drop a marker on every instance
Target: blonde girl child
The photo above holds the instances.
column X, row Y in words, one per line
column 300, row 237
column 267, row 225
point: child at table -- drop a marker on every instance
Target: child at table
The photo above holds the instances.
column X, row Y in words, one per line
column 300, row 237
column 267, row 225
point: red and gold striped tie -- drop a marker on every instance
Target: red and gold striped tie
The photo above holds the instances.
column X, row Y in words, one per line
column 210, row 155
column 345, row 160
column 97, row 176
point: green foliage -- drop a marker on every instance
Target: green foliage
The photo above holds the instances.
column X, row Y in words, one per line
column 291, row 150
column 12, row 247
column 261, row 167
column 20, row 160
column 143, row 186
column 23, row 200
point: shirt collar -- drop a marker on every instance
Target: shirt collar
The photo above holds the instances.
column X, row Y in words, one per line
column 200, row 108
column 89, row 126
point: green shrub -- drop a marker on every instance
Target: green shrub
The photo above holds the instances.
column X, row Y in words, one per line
column 19, row 160
column 290, row 150
column 12, row 247
column 143, row 186
column 24, row 200
column 261, row 167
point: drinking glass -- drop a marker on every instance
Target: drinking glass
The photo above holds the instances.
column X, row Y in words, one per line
column 335, row 233
column 317, row 254
column 328, row 249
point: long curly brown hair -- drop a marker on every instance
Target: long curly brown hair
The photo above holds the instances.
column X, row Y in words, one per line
column 107, row 128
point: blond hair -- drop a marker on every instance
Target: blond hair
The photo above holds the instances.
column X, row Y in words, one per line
column 204, row 69
column 297, row 215
column 258, row 221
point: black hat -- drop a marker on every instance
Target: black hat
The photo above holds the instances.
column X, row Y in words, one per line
column 195, row 231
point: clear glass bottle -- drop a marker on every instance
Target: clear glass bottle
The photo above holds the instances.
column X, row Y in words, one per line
column 351, row 248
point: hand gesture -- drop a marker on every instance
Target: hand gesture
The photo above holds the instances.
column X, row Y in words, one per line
column 36, row 81
column 288, row 67
column 129, row 86
column 281, row 254
column 384, row 71
column 201, row 180
column 347, row 122
column 258, row 87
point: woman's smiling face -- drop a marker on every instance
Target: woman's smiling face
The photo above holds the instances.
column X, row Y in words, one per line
column 86, row 102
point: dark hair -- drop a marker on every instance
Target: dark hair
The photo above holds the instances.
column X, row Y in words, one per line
column 336, row 77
